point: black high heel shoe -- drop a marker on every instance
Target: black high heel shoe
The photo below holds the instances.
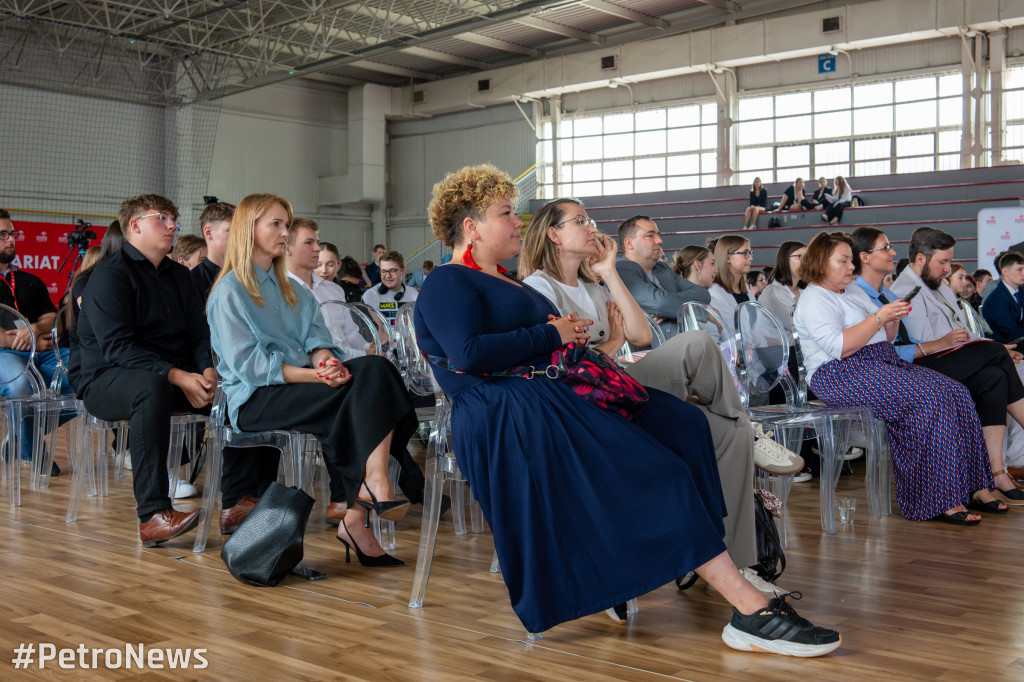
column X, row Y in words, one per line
column 389, row 510
column 370, row 561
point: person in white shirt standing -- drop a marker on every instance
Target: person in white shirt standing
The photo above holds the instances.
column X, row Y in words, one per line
column 391, row 292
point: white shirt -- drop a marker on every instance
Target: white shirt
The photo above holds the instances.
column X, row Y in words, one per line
column 386, row 303
column 780, row 302
column 343, row 330
column 577, row 294
column 822, row 315
column 725, row 303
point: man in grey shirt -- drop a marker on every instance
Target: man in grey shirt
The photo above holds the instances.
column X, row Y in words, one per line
column 657, row 289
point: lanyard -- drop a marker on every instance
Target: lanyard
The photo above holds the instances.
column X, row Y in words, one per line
column 11, row 285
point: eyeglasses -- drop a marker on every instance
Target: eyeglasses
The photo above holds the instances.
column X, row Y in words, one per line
column 165, row 219
column 390, row 272
column 580, row 220
column 746, row 253
column 5, row 235
column 887, row 247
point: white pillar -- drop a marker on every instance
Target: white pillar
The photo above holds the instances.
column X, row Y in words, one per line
column 725, row 98
column 996, row 65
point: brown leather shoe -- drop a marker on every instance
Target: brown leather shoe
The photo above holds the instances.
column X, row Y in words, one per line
column 1016, row 472
column 167, row 524
column 336, row 512
column 232, row 517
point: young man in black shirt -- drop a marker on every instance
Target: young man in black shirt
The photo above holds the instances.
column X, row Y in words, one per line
column 216, row 222
column 27, row 294
column 144, row 353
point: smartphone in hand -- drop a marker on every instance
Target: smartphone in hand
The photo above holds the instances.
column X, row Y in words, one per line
column 911, row 294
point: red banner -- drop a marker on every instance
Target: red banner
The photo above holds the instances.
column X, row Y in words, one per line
column 42, row 249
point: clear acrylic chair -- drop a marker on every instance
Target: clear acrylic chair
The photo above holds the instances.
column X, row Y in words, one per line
column 763, row 364
column 385, row 330
column 630, row 353
column 975, row 322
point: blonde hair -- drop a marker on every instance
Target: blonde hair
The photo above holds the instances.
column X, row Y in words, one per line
column 242, row 243
column 466, row 193
column 538, row 252
column 725, row 244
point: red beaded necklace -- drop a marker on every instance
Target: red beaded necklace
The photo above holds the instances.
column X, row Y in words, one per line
column 467, row 260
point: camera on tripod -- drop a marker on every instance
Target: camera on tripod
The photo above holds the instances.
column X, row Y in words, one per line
column 80, row 237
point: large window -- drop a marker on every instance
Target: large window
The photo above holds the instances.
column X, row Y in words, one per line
column 1013, row 106
column 631, row 152
column 903, row 126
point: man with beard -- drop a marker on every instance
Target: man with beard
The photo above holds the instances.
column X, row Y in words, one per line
column 650, row 280
column 27, row 294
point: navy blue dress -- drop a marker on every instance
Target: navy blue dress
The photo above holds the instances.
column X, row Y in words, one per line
column 588, row 509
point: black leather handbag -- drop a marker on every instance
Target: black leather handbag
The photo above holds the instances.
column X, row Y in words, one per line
column 268, row 543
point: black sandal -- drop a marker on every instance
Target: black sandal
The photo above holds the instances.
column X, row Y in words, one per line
column 990, row 507
column 957, row 519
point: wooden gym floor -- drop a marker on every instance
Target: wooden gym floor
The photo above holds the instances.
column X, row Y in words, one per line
column 914, row 601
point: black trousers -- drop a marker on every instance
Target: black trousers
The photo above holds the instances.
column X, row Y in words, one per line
column 988, row 373
column 835, row 209
column 350, row 421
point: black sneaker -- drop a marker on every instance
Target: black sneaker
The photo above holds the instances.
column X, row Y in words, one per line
column 778, row 629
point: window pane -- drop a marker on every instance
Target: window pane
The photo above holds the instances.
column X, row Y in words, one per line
column 618, row 170
column 683, row 139
column 586, row 189
column 871, row 149
column 950, row 162
column 708, row 181
column 650, row 185
column 831, row 152
column 912, row 145
column 684, row 165
column 918, row 165
column 649, row 120
column 793, row 128
column 587, row 126
column 565, row 150
column 746, row 179
column 1013, row 105
column 915, row 88
column 831, row 171
column 833, row 124
column 565, row 129
column 873, row 168
column 830, row 100
column 684, row 116
column 794, row 156
column 546, row 192
column 754, row 132
column 1013, row 77
column 951, row 111
column 567, row 173
column 544, row 151
column 951, row 84
column 545, row 130
column 755, row 107
column 586, row 148
column 870, row 95
column 792, row 104
column 585, row 173
column 875, row 120
column 757, row 157
column 709, row 137
column 646, row 168
column 949, row 140
column 791, row 174
column 688, row 182
column 709, row 113
column 652, row 142
column 709, row 162
column 616, row 146
column 618, row 123
column 618, row 187
column 915, row 116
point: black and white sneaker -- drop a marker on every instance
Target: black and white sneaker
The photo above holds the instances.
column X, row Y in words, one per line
column 778, row 629
column 618, row 613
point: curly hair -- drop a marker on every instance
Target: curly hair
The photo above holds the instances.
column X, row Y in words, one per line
column 466, row 193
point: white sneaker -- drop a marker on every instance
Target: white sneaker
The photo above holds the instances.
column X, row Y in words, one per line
column 183, row 490
column 855, row 452
column 802, row 477
column 771, row 457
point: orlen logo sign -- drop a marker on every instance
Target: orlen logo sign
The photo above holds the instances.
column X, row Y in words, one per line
column 991, row 220
column 1005, row 235
column 41, row 237
column 62, row 238
column 1019, row 219
column 990, row 252
column 52, row 288
column 19, row 236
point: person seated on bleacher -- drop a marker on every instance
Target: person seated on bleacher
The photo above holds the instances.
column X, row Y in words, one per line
column 793, row 198
column 189, row 250
column 696, row 264
column 144, row 353
column 1003, row 307
column 758, row 204
column 930, row 335
column 282, row 370
column 841, row 198
column 821, row 197
column 392, row 291
column 733, row 256
column 938, row 448
column 548, row 466
column 562, row 258
column 216, row 225
column 650, row 281
column 783, row 290
column 27, row 294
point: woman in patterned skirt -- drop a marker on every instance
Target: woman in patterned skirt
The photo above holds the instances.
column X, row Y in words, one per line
column 938, row 449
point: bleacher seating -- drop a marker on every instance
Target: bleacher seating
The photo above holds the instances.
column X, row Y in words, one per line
column 898, row 204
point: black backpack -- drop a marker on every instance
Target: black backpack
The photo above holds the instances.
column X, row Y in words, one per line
column 771, row 560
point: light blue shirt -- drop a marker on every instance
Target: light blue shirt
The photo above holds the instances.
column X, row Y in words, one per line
column 253, row 342
column 906, row 351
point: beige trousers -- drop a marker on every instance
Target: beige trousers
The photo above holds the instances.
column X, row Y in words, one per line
column 690, row 366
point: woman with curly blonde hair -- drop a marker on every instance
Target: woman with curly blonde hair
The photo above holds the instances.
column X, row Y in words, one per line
column 550, row 469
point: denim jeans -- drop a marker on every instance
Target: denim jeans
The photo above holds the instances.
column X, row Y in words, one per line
column 12, row 364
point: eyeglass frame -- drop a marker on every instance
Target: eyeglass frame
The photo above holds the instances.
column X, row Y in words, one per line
column 587, row 222
column 888, row 247
column 11, row 234
column 746, row 253
column 174, row 221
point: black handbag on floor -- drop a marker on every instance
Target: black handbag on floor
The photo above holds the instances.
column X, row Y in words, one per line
column 268, row 543
column 771, row 560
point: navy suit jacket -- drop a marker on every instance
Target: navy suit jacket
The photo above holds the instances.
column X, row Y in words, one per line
column 1003, row 314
